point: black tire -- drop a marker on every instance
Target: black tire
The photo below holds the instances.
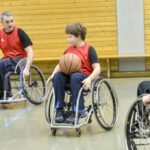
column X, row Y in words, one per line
column 48, row 105
column 34, row 87
column 137, row 127
column 106, row 110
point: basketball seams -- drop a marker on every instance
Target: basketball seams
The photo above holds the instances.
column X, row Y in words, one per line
column 61, row 67
column 65, row 62
column 69, row 63
column 76, row 66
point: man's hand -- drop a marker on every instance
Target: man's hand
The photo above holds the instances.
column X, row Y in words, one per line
column 86, row 84
column 146, row 99
column 26, row 73
column 30, row 55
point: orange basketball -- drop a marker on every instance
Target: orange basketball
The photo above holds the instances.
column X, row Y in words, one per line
column 69, row 63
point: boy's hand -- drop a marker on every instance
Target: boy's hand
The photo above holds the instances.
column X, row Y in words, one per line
column 50, row 78
column 86, row 83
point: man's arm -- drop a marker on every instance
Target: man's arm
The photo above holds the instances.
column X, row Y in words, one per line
column 30, row 56
column 57, row 69
column 27, row 44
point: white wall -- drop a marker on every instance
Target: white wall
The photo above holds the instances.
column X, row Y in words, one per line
column 130, row 18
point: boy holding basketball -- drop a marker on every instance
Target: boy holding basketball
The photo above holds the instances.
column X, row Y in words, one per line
column 90, row 69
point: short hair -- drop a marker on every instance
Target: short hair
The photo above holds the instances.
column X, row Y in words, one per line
column 76, row 29
column 6, row 13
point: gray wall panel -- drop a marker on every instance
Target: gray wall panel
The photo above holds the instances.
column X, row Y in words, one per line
column 130, row 33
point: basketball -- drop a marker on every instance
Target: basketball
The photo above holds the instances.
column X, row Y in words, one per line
column 69, row 63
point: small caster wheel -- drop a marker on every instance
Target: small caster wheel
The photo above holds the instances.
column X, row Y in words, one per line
column 53, row 130
column 78, row 132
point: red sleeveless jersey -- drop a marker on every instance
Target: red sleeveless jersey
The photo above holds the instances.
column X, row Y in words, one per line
column 11, row 44
column 83, row 53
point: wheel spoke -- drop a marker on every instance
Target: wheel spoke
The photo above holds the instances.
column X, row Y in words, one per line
column 137, row 128
column 35, row 86
column 105, row 100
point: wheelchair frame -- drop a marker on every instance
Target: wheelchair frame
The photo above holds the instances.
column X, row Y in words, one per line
column 76, row 125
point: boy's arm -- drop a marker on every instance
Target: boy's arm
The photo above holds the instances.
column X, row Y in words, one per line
column 96, row 72
column 57, row 69
column 96, row 68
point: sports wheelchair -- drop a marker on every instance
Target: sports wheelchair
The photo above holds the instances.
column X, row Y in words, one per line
column 33, row 88
column 137, row 126
column 102, row 101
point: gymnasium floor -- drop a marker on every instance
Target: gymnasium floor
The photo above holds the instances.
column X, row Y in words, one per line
column 23, row 126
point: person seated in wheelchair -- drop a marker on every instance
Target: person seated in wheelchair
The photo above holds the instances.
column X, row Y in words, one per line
column 15, row 45
column 90, row 69
column 144, row 90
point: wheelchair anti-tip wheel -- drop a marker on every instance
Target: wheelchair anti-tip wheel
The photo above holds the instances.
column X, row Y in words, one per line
column 105, row 104
column 34, row 87
column 53, row 130
column 137, row 127
column 78, row 132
